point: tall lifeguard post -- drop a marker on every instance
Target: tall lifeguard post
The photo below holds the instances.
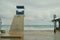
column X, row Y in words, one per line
column 17, row 26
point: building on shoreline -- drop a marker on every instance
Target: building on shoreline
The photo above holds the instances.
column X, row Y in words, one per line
column 57, row 20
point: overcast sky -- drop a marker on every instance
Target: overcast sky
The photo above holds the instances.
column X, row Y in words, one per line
column 37, row 12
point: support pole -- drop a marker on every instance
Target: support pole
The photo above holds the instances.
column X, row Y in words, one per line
column 54, row 16
column 54, row 26
column 59, row 25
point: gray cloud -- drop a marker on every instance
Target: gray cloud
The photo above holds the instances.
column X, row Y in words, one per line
column 38, row 12
column 41, row 3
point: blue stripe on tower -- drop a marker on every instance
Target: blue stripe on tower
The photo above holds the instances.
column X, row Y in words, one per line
column 20, row 7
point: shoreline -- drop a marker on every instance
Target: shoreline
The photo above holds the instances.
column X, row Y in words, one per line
column 39, row 30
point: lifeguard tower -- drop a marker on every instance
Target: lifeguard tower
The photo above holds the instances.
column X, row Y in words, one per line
column 55, row 20
column 17, row 26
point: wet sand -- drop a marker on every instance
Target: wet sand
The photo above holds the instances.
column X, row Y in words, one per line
column 39, row 35
column 35, row 35
column 57, row 35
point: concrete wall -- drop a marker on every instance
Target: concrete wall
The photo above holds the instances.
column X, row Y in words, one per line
column 17, row 26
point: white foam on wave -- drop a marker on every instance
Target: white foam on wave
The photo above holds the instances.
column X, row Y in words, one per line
column 30, row 28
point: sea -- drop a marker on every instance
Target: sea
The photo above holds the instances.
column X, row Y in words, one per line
column 30, row 27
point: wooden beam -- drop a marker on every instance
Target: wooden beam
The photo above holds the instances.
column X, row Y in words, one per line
column 10, row 37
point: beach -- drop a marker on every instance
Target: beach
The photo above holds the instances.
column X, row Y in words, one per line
column 39, row 35
column 35, row 35
column 57, row 35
